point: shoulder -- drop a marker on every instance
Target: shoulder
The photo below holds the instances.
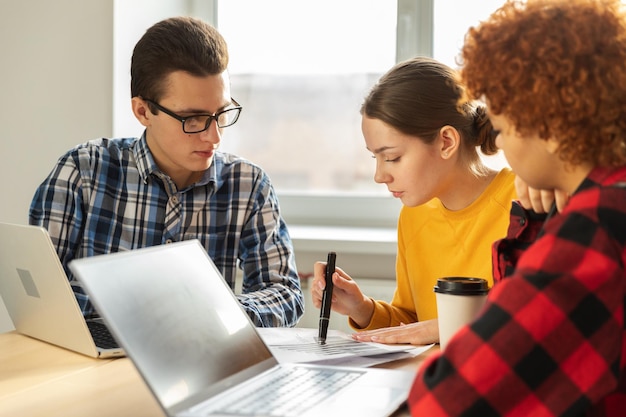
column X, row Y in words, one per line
column 595, row 213
column 100, row 158
column 95, row 153
column 603, row 191
column 229, row 165
column 235, row 174
column 502, row 188
column 601, row 198
column 103, row 148
column 505, row 177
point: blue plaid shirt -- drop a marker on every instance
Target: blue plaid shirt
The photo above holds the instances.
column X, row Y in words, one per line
column 108, row 195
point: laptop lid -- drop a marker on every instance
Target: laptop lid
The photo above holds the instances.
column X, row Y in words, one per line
column 183, row 327
column 37, row 293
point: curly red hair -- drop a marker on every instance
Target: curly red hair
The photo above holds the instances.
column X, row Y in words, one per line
column 555, row 68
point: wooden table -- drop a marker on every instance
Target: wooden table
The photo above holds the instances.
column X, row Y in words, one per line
column 39, row 379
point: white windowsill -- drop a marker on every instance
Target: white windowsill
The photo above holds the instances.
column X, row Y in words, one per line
column 353, row 240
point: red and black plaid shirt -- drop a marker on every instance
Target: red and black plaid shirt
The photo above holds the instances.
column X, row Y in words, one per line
column 551, row 339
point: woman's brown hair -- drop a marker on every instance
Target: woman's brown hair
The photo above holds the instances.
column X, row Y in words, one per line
column 420, row 96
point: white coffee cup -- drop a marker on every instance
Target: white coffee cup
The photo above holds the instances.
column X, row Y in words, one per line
column 458, row 301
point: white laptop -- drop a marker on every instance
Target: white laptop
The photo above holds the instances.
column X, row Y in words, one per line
column 200, row 354
column 39, row 298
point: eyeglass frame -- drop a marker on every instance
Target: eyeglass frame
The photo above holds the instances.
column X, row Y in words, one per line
column 211, row 117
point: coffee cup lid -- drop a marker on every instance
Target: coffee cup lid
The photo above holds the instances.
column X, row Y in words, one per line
column 462, row 286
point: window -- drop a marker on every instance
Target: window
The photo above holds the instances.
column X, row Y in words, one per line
column 301, row 70
column 450, row 28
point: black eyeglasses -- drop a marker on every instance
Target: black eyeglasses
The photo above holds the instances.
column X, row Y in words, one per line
column 200, row 122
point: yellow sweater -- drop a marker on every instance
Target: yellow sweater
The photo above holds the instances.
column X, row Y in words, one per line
column 435, row 242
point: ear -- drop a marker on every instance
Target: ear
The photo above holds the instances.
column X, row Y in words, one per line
column 450, row 140
column 141, row 111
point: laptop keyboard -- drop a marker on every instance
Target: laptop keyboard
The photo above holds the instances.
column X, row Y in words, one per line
column 284, row 392
column 101, row 335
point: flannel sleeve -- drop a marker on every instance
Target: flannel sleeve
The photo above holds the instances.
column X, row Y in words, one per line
column 524, row 227
column 271, row 293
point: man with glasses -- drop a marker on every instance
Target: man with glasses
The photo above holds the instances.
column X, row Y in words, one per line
column 172, row 183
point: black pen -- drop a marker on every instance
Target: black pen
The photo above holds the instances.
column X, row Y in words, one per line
column 327, row 297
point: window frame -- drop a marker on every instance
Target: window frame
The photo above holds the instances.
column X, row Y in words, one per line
column 414, row 34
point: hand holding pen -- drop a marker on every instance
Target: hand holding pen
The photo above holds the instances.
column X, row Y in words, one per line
column 327, row 297
column 347, row 297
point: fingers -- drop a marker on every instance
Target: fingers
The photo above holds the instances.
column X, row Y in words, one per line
column 521, row 189
column 540, row 201
column 388, row 335
column 420, row 333
column 318, row 284
column 544, row 200
column 342, row 286
column 561, row 199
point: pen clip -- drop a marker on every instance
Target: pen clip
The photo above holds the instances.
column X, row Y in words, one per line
column 330, row 267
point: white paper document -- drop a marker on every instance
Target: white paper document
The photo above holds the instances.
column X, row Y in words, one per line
column 300, row 345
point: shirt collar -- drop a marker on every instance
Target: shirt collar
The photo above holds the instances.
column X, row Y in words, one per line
column 147, row 166
column 602, row 176
column 143, row 158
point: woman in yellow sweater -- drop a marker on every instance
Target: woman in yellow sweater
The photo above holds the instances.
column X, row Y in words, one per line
column 426, row 143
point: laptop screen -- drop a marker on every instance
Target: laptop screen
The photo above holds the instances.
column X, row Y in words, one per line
column 175, row 317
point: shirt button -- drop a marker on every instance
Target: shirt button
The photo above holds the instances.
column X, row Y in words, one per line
column 522, row 221
column 174, row 199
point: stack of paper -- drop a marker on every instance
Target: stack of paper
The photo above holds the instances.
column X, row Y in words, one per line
column 300, row 345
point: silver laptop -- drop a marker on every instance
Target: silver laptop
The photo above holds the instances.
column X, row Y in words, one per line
column 200, row 354
column 39, row 298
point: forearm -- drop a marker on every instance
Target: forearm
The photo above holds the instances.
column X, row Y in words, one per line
column 386, row 315
column 271, row 292
column 274, row 306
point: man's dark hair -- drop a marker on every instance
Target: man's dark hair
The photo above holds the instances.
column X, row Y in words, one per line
column 175, row 44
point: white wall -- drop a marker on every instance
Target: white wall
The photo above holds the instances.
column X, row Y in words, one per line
column 56, row 83
column 56, row 78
